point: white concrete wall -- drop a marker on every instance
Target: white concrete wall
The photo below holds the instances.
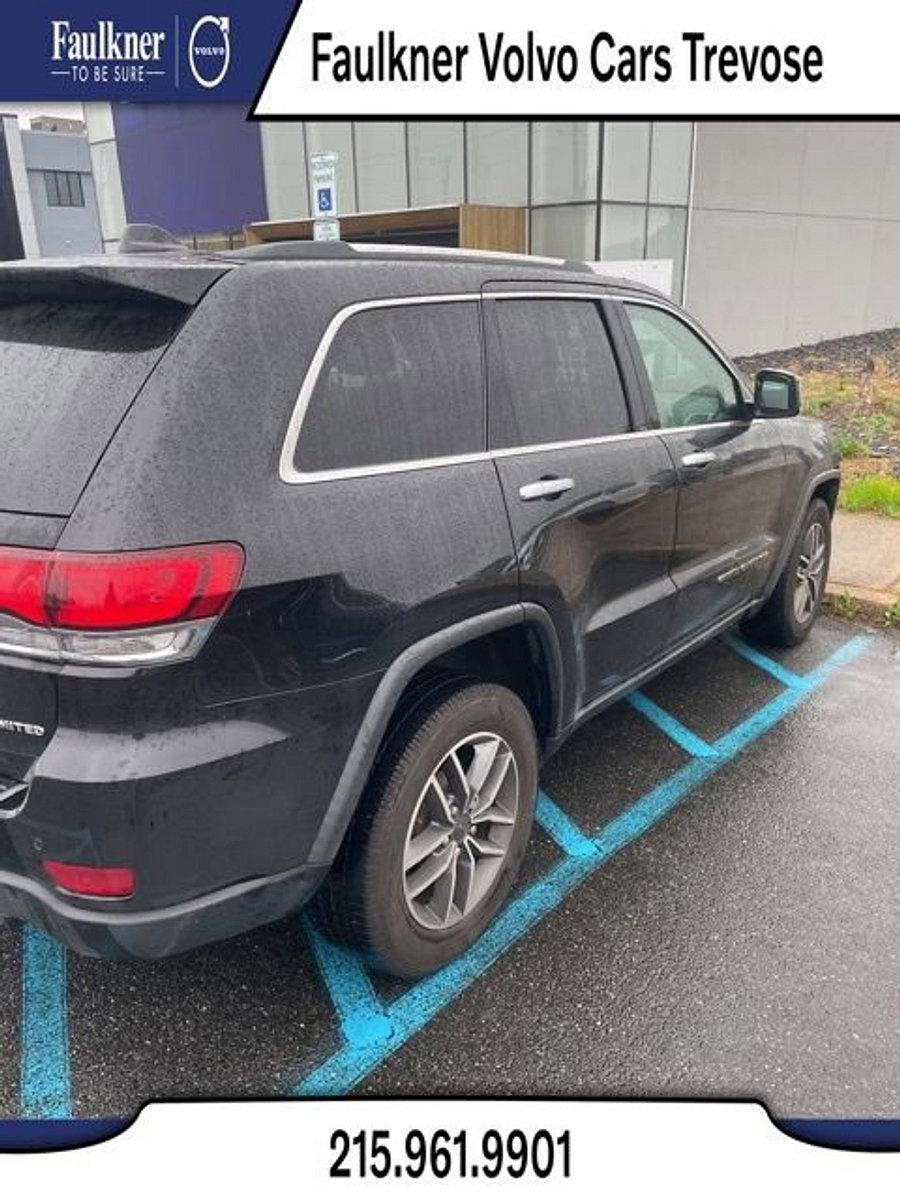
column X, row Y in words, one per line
column 21, row 191
column 107, row 177
column 795, row 231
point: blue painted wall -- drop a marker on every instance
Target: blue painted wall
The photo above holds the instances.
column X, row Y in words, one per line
column 192, row 168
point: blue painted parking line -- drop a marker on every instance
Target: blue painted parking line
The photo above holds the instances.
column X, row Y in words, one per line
column 360, row 1012
column 769, row 665
column 672, row 728
column 425, row 999
column 764, row 718
column 407, row 1015
column 371, row 1031
column 44, row 1087
column 564, row 832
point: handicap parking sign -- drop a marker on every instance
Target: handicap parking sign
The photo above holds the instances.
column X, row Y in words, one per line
column 325, row 200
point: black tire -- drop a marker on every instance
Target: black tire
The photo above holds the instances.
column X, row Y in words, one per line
column 363, row 902
column 778, row 622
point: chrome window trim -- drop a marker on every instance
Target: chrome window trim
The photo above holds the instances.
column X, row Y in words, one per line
column 289, row 474
column 511, row 451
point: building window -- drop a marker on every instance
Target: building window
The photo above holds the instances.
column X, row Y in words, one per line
column 64, row 189
column 436, row 162
column 622, row 230
column 497, row 154
column 380, row 164
column 670, row 162
column 284, row 167
column 666, row 234
column 564, row 231
column 564, row 161
column 626, row 160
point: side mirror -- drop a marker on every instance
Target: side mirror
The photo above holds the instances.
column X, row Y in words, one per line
column 776, row 393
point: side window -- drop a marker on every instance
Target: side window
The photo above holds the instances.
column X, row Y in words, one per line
column 398, row 384
column 689, row 383
column 553, row 376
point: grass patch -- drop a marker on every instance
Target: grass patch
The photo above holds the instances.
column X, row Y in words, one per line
column 872, row 493
column 825, row 390
column 862, row 408
column 875, row 426
column 843, row 605
column 850, row 447
column 853, row 385
column 849, row 608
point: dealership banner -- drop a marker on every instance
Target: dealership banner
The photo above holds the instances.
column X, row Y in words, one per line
column 400, row 58
column 175, row 50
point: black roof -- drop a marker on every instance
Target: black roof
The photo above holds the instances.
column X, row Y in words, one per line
column 151, row 261
column 154, row 242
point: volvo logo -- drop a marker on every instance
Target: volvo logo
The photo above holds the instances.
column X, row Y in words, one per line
column 7, row 726
column 209, row 50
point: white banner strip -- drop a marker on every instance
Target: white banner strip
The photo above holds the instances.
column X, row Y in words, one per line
column 291, row 1148
column 404, row 58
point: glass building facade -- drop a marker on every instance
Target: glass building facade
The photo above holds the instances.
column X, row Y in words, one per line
column 592, row 189
column 778, row 232
column 611, row 190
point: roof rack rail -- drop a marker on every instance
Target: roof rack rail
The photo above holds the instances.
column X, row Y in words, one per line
column 300, row 249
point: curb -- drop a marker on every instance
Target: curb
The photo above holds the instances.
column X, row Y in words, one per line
column 845, row 600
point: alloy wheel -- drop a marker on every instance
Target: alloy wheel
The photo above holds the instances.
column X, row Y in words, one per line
column 810, row 573
column 460, row 831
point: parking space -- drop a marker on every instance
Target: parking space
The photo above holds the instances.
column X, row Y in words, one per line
column 709, row 907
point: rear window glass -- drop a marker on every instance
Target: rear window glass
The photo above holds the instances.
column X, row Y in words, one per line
column 68, row 372
column 398, row 384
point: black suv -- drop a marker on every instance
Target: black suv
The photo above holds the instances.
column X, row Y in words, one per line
column 309, row 553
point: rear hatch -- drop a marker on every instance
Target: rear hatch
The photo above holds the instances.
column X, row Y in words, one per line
column 77, row 343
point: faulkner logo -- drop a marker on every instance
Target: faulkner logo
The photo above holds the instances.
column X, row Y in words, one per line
column 105, row 53
column 209, row 50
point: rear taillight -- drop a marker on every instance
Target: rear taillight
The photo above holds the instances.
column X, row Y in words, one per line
column 119, row 609
column 109, row 883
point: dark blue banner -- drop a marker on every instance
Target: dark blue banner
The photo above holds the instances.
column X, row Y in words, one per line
column 175, row 50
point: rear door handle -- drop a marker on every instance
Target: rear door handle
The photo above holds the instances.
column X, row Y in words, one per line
column 701, row 458
column 545, row 489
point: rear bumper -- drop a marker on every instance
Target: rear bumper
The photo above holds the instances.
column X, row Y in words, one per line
column 157, row 933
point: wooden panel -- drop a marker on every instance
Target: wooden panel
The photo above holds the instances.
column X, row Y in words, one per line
column 492, row 227
column 479, row 226
column 359, row 224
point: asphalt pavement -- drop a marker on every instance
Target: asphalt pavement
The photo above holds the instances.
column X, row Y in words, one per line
column 709, row 908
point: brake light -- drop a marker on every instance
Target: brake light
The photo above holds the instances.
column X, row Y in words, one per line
column 107, row 882
column 79, row 607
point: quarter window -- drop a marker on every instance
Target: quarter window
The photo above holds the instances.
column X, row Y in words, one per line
column 553, row 377
column 690, row 384
column 399, row 384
